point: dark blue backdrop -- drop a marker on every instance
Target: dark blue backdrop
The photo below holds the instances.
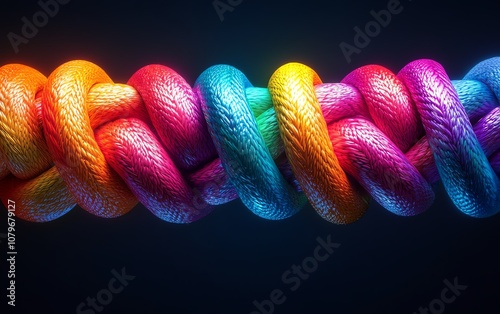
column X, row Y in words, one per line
column 221, row 264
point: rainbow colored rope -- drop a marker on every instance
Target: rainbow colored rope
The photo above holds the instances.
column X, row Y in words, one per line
column 78, row 138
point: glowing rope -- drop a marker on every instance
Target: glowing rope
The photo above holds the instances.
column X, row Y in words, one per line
column 78, row 138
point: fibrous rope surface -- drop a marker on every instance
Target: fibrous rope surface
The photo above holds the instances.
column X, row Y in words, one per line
column 76, row 137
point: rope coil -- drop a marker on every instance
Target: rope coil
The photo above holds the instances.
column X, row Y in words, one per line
column 76, row 137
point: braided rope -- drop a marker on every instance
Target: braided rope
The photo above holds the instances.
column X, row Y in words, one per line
column 78, row 138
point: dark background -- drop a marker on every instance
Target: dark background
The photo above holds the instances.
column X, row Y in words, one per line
column 221, row 264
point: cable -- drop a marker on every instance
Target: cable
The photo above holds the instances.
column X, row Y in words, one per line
column 76, row 137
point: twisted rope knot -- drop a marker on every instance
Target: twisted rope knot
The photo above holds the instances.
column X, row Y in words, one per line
column 78, row 138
